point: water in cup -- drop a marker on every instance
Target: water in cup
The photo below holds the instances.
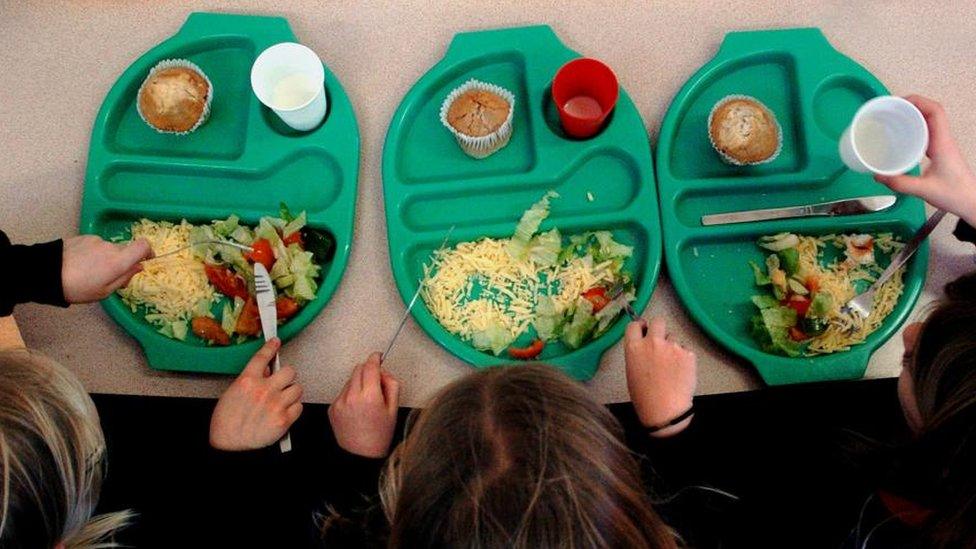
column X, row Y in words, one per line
column 293, row 91
column 876, row 135
column 583, row 106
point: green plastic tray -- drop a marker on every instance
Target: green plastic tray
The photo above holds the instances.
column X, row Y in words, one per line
column 814, row 91
column 430, row 184
column 242, row 161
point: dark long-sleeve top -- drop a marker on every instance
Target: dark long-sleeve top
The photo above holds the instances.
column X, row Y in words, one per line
column 965, row 232
column 30, row 274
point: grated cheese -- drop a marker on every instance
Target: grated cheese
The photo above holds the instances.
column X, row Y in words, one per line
column 172, row 285
column 508, row 289
column 837, row 279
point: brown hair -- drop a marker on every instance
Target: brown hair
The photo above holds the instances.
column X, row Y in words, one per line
column 939, row 466
column 51, row 457
column 517, row 456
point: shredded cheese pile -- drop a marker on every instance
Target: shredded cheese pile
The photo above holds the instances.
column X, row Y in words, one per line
column 507, row 289
column 170, row 285
column 837, row 279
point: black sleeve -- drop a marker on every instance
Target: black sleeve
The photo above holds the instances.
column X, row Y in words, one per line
column 30, row 273
column 353, row 516
column 965, row 232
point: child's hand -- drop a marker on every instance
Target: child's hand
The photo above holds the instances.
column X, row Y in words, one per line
column 661, row 376
column 364, row 415
column 258, row 408
column 91, row 269
column 948, row 183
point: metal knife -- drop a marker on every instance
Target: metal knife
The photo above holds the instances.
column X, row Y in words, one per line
column 850, row 206
column 413, row 300
column 266, row 298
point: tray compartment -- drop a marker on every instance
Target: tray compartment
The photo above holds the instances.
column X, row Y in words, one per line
column 835, row 102
column 770, row 78
column 424, row 136
column 226, row 61
column 234, row 189
column 611, row 177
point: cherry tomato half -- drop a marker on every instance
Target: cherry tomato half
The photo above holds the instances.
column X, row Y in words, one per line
column 294, row 238
column 249, row 323
column 286, row 307
column 797, row 334
column 208, row 328
column 261, row 253
column 226, row 281
column 800, row 304
column 527, row 353
column 598, row 297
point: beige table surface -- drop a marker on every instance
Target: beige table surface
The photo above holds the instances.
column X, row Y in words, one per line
column 59, row 59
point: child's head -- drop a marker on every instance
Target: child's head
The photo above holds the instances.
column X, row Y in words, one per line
column 937, row 389
column 51, row 457
column 517, row 457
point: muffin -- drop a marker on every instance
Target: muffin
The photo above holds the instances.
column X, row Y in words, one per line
column 175, row 97
column 744, row 131
column 480, row 117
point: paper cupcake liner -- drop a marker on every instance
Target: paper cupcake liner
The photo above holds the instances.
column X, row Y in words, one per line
column 170, row 63
column 733, row 161
column 480, row 147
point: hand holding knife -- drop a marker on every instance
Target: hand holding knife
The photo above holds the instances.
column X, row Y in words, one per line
column 266, row 299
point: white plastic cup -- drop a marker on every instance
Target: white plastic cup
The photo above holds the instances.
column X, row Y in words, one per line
column 289, row 79
column 888, row 136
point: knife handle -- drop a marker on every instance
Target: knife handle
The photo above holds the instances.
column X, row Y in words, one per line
column 285, row 443
column 762, row 215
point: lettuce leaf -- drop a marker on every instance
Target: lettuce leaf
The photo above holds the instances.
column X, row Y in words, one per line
column 224, row 228
column 544, row 248
column 548, row 321
column 494, row 338
column 762, row 279
column 230, row 314
column 294, row 225
column 527, row 226
column 609, row 249
column 581, row 325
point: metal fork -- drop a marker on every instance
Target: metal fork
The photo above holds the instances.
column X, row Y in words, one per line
column 241, row 247
column 614, row 292
column 864, row 302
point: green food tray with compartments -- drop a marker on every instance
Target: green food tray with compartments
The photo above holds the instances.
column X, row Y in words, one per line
column 242, row 161
column 814, row 91
column 430, row 184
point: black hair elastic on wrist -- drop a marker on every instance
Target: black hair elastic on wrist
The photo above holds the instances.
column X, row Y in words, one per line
column 687, row 414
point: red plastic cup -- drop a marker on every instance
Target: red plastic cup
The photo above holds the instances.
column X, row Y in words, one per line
column 585, row 92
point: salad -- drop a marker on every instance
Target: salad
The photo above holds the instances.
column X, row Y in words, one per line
column 801, row 312
column 209, row 288
column 530, row 290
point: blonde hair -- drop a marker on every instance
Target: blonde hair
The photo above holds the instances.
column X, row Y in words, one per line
column 52, row 458
column 520, row 457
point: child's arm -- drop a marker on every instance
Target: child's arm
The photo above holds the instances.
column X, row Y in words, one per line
column 948, row 182
column 363, row 419
column 661, row 378
column 80, row 269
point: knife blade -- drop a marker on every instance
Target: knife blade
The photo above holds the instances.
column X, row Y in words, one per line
column 413, row 301
column 849, row 206
column 266, row 299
